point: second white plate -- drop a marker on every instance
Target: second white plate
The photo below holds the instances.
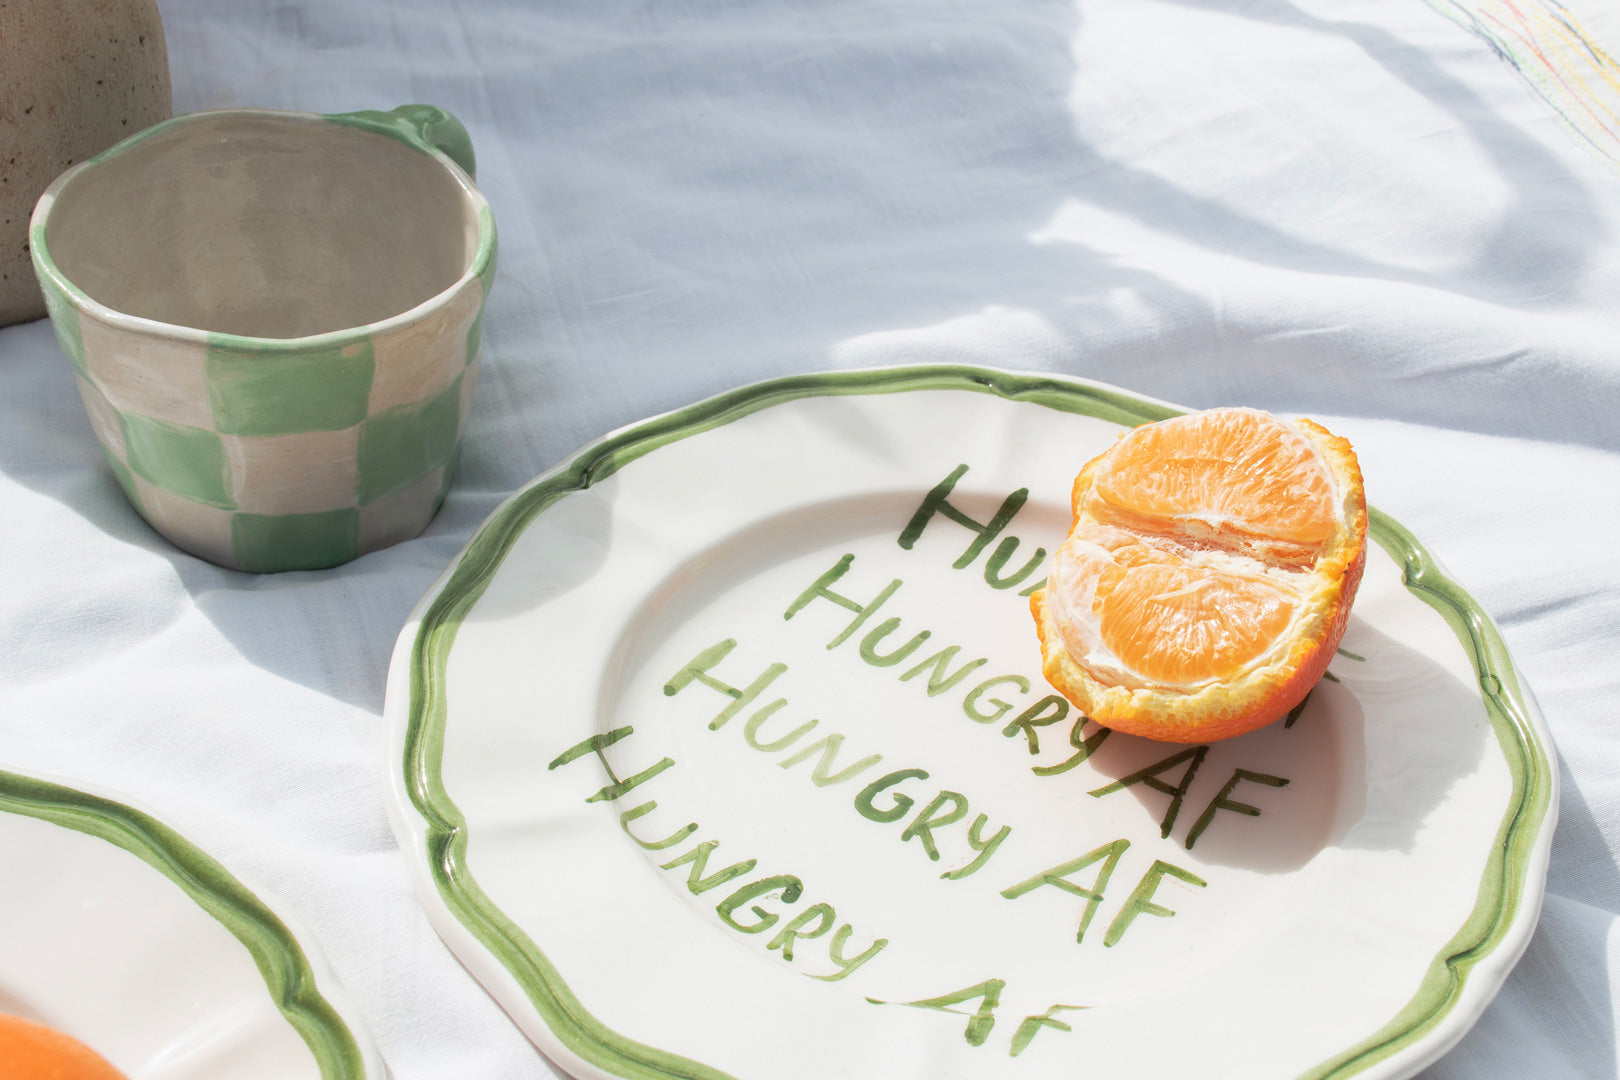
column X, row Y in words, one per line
column 120, row 932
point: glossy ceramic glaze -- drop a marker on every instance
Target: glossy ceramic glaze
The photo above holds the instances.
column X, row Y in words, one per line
column 729, row 735
column 120, row 932
column 274, row 321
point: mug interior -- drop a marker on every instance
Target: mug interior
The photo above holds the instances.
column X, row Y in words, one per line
column 264, row 225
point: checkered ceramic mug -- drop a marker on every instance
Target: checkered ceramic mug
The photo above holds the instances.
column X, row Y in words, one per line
column 274, row 320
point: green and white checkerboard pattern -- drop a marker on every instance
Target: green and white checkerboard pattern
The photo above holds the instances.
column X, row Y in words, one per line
column 266, row 456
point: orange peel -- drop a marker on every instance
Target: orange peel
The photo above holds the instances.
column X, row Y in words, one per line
column 1208, row 576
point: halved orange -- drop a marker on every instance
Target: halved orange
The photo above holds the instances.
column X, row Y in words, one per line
column 30, row 1051
column 1208, row 576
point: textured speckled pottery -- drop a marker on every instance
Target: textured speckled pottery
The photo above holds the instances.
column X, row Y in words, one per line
column 74, row 79
column 274, row 321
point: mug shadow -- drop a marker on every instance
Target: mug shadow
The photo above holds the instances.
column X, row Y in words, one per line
column 331, row 631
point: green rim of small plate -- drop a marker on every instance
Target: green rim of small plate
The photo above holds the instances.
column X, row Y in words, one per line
column 1502, row 884
column 277, row 954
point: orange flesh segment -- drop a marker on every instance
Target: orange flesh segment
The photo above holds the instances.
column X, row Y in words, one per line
column 1176, row 624
column 1164, row 618
column 1233, row 470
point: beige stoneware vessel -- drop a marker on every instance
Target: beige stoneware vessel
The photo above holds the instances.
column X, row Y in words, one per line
column 274, row 321
column 74, row 79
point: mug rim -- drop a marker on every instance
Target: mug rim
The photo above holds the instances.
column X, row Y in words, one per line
column 44, row 264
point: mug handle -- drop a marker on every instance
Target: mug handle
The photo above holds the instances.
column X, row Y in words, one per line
column 426, row 127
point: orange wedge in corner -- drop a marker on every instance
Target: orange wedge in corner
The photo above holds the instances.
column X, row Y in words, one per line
column 30, row 1051
column 1208, row 576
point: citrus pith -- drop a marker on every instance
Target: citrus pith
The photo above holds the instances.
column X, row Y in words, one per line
column 1208, row 575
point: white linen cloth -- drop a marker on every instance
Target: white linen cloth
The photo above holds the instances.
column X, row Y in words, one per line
column 1355, row 213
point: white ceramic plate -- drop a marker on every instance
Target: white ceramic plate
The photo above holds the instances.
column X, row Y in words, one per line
column 123, row 934
column 722, row 750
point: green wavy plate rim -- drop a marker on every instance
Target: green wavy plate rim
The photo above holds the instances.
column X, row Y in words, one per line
column 1502, row 884
column 281, row 961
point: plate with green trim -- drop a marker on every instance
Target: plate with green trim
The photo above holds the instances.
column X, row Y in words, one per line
column 118, row 931
column 722, row 750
